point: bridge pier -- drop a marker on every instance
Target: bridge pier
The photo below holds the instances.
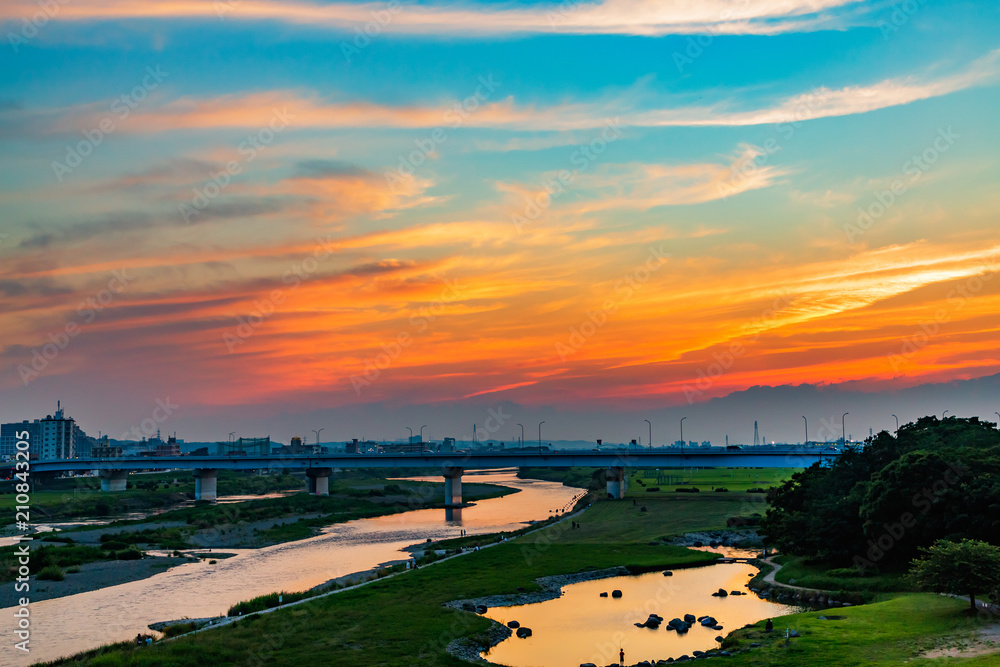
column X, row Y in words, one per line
column 319, row 481
column 617, row 483
column 205, row 483
column 453, row 487
column 114, row 480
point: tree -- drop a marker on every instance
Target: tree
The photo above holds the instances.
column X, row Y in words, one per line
column 958, row 568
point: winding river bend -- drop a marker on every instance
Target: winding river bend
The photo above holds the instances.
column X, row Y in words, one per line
column 67, row 625
column 581, row 626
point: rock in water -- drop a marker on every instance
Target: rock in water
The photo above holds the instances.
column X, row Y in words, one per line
column 523, row 633
column 513, row 625
column 616, row 593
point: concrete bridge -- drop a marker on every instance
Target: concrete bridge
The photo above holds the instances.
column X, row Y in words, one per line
column 114, row 471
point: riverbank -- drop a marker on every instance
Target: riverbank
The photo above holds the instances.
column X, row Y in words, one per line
column 91, row 577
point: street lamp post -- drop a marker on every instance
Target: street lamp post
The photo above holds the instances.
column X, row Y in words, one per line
column 897, row 424
column 317, row 433
column 807, row 429
column 998, row 417
column 650, row 432
column 944, row 413
column 411, row 435
column 682, row 435
column 522, row 435
column 422, row 432
column 843, row 425
column 540, row 436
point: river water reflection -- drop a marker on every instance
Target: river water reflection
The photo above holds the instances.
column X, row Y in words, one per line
column 582, row 627
column 70, row 624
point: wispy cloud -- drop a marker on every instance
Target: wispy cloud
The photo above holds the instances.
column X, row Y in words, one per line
column 628, row 17
column 311, row 111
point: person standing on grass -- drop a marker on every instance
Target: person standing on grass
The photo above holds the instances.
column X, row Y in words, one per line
column 621, row 657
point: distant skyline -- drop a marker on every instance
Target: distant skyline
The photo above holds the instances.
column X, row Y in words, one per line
column 288, row 215
column 778, row 411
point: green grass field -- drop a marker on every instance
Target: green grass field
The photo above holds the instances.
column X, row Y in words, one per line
column 892, row 632
column 705, row 479
column 665, row 515
column 811, row 575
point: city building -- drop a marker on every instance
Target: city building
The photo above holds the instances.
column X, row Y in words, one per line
column 58, row 435
column 9, row 438
column 105, row 450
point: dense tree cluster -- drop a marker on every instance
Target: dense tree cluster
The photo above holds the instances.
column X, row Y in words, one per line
column 876, row 505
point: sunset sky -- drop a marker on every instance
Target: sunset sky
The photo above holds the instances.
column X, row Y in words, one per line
column 257, row 208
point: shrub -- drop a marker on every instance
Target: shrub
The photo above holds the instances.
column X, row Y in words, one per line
column 51, row 573
column 687, row 489
column 652, row 489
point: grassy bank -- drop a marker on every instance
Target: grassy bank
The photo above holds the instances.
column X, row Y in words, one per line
column 892, row 632
column 643, row 481
column 801, row 572
column 81, row 497
column 51, row 558
column 296, row 516
column 401, row 620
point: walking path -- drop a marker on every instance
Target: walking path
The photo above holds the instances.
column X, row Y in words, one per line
column 769, row 578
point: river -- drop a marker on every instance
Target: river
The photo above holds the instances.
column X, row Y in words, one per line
column 581, row 626
column 67, row 625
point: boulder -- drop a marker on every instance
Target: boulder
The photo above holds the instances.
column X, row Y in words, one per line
column 468, row 606
column 523, row 633
column 652, row 622
column 720, row 639
column 587, row 664
column 616, row 593
column 604, row 594
column 481, row 609
column 668, row 573
column 689, row 618
column 794, row 633
column 722, row 593
column 513, row 625
column 736, row 592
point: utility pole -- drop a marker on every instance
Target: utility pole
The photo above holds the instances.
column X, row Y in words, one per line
column 807, row 429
